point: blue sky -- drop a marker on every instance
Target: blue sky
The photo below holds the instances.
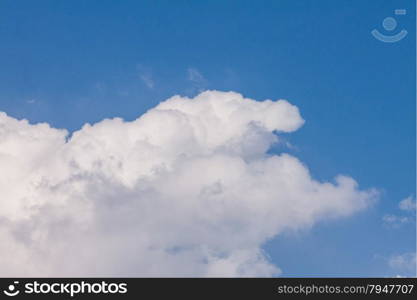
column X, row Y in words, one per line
column 72, row 62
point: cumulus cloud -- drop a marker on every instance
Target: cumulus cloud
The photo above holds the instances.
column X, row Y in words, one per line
column 187, row 189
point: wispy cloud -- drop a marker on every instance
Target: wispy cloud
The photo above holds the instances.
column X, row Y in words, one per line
column 408, row 206
column 145, row 75
column 100, row 87
column 395, row 221
column 199, row 82
column 147, row 80
column 404, row 264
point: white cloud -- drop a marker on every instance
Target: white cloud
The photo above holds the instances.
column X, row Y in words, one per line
column 408, row 204
column 395, row 221
column 404, row 263
column 187, row 189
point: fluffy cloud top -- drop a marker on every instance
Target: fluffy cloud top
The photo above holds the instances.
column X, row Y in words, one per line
column 187, row 189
